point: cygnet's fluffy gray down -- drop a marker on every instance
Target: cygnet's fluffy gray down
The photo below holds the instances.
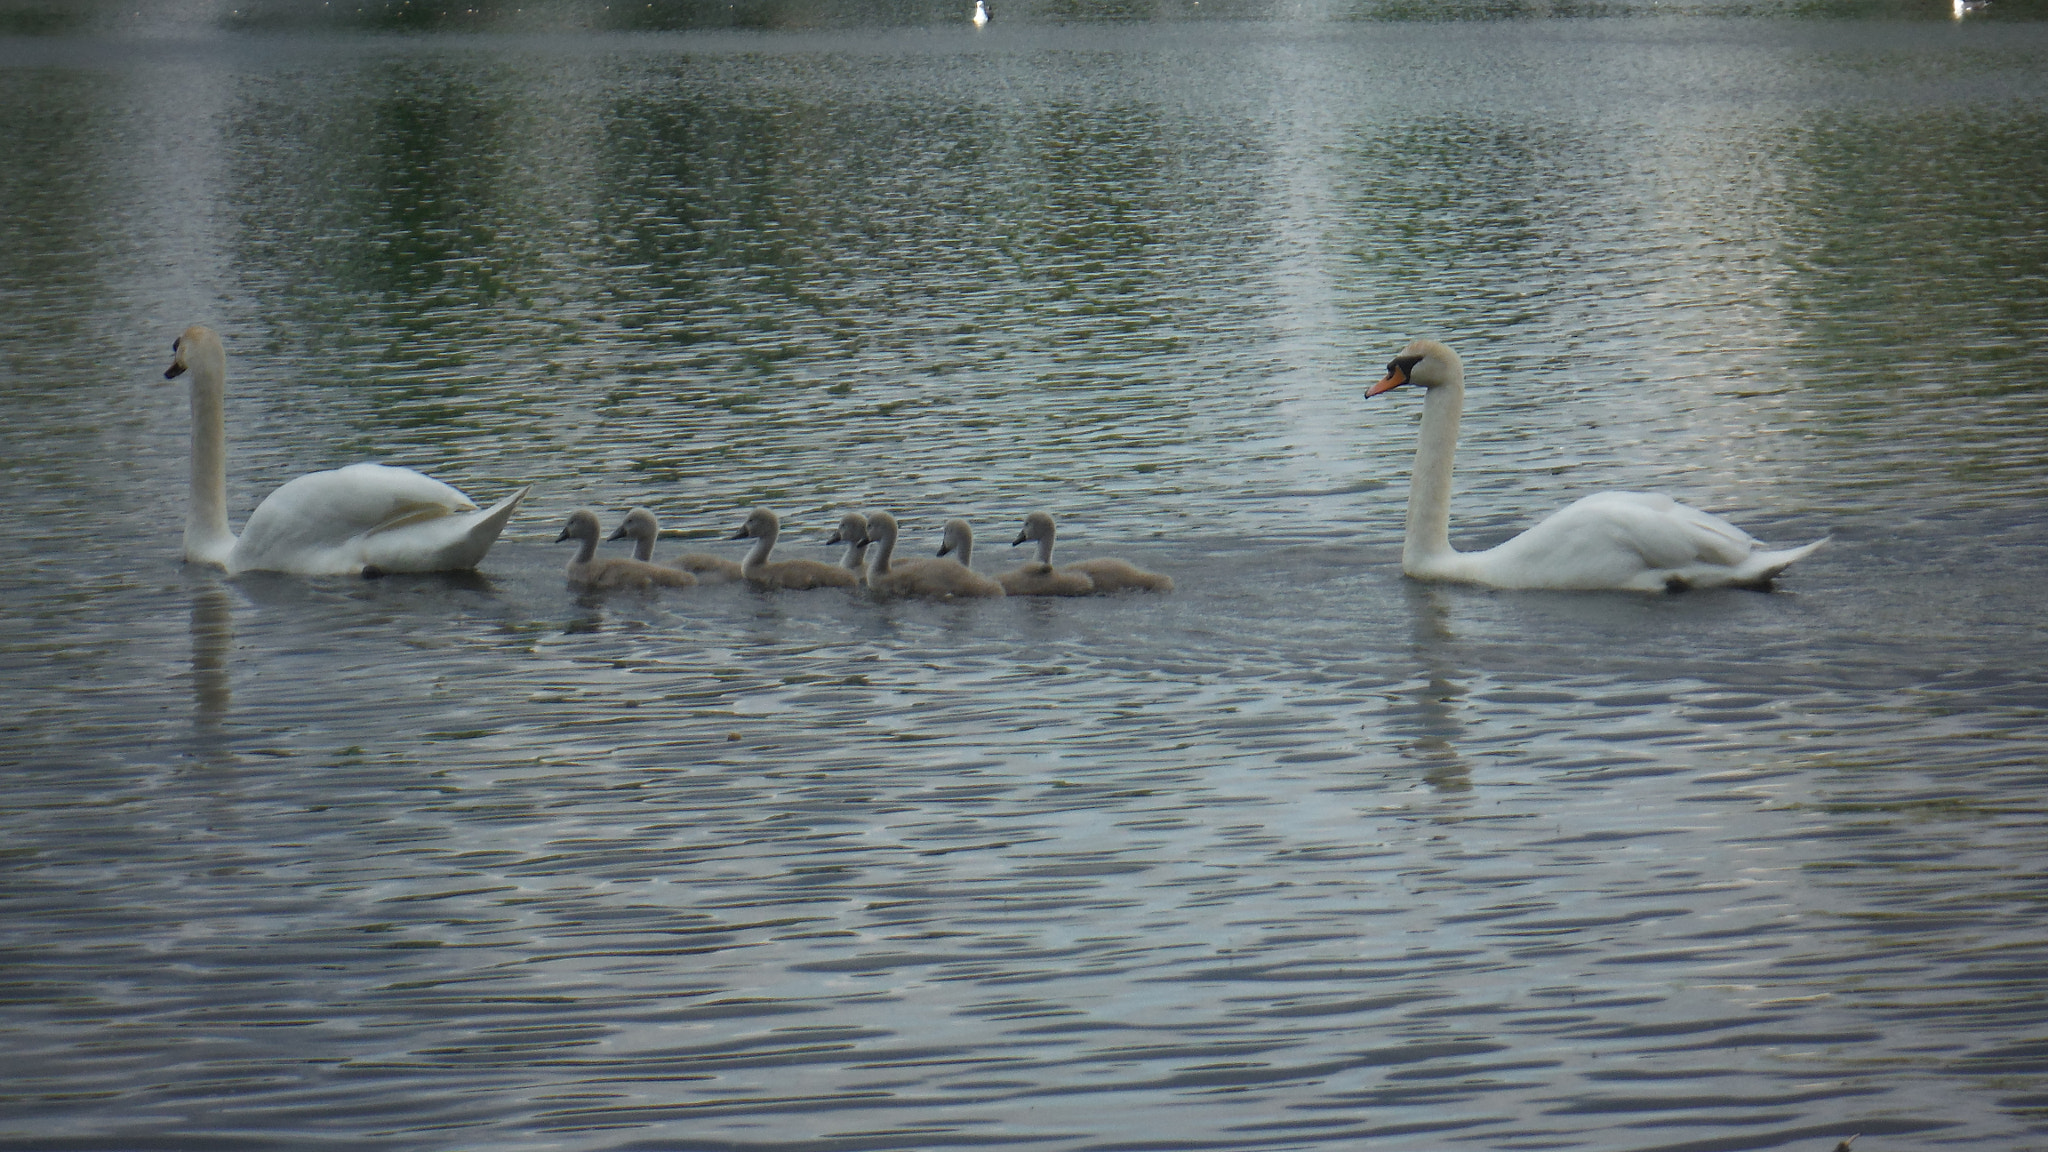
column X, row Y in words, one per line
column 790, row 575
column 931, row 579
column 641, row 527
column 1105, row 576
column 853, row 532
column 1038, row 578
column 615, row 572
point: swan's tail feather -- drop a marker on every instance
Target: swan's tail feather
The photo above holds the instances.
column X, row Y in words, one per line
column 1765, row 566
column 484, row 532
column 451, row 544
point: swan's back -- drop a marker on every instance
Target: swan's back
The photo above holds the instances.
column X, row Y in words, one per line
column 625, row 573
column 1632, row 541
column 705, row 566
column 368, row 516
column 1111, row 575
column 800, row 575
column 1035, row 579
column 933, row 579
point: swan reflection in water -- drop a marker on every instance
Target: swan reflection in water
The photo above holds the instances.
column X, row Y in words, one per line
column 1434, row 722
column 213, row 637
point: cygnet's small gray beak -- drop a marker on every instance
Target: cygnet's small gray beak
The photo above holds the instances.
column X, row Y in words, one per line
column 563, row 536
column 619, row 534
column 1021, row 537
column 742, row 534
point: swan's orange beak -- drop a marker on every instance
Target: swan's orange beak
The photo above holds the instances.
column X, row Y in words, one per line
column 1396, row 376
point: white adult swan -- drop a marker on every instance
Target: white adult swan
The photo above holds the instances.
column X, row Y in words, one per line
column 1635, row 541
column 366, row 518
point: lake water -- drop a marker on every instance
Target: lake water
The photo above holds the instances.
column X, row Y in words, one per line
column 1303, row 855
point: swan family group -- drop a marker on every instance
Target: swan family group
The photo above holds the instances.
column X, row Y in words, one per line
column 948, row 575
column 370, row 519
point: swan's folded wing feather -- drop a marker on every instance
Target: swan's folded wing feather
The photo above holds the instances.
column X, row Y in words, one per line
column 1614, row 540
column 1712, row 539
column 452, row 543
column 1664, row 532
column 405, row 513
column 321, row 522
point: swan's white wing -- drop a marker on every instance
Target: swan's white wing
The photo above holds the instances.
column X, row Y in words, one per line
column 442, row 544
column 339, row 521
column 1636, row 540
column 1665, row 533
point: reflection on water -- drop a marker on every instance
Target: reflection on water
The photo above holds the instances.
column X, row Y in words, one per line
column 1434, row 727
column 213, row 638
column 1301, row 855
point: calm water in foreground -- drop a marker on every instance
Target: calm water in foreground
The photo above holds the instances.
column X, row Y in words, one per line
column 1301, row 856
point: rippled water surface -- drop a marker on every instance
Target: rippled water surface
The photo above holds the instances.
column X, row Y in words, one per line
column 1303, row 855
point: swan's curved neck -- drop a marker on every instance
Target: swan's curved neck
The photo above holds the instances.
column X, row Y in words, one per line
column 966, row 553
column 643, row 548
column 758, row 554
column 881, row 549
column 1045, row 548
column 586, row 548
column 207, row 539
column 1429, row 487
column 856, row 555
